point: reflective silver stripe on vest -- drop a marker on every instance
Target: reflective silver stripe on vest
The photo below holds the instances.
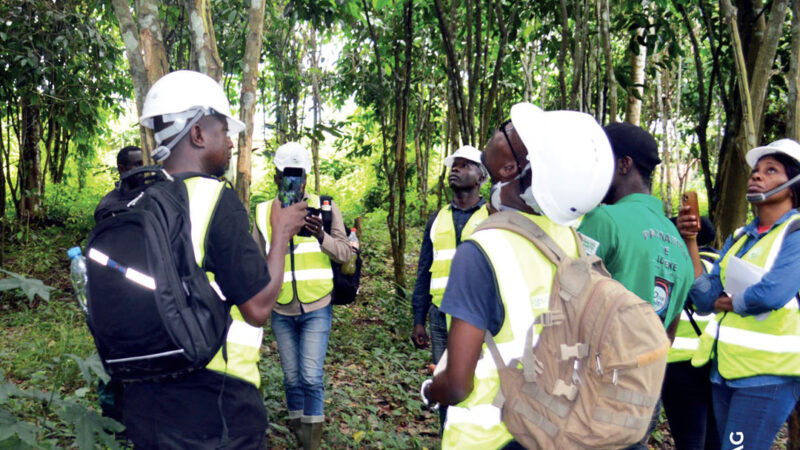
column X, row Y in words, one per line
column 438, row 283
column 439, row 255
column 754, row 340
column 307, row 247
column 485, row 416
column 245, row 334
column 308, row 274
column 683, row 343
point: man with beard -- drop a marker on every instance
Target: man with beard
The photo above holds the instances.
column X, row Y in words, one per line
column 638, row 244
column 444, row 231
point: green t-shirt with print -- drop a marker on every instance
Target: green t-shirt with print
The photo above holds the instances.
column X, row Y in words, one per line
column 643, row 250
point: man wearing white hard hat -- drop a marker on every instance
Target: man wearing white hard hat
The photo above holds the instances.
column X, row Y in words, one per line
column 444, row 231
column 638, row 244
column 219, row 406
column 301, row 321
column 498, row 277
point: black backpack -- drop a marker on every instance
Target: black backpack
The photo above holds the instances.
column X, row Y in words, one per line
column 345, row 287
column 152, row 311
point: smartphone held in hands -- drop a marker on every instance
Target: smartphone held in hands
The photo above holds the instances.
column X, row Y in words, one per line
column 690, row 198
column 290, row 190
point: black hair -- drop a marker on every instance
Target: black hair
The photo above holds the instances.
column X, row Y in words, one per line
column 122, row 156
column 792, row 169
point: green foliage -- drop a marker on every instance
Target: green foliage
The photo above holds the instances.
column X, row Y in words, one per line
column 31, row 287
column 53, row 418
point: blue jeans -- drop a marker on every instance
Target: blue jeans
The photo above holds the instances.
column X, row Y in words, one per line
column 302, row 343
column 750, row 417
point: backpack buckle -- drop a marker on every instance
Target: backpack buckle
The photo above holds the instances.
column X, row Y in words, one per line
column 549, row 318
column 578, row 350
column 570, row 391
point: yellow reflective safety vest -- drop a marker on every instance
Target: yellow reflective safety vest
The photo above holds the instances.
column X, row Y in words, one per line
column 443, row 238
column 686, row 339
column 243, row 341
column 307, row 270
column 764, row 344
column 524, row 278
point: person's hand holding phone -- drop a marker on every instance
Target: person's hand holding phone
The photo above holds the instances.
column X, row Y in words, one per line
column 314, row 225
column 688, row 222
column 288, row 220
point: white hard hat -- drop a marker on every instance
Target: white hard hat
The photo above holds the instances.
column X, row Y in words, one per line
column 180, row 95
column 465, row 151
column 469, row 153
column 571, row 160
column 292, row 154
column 788, row 147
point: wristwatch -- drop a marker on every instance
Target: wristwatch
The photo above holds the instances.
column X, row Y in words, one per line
column 425, row 401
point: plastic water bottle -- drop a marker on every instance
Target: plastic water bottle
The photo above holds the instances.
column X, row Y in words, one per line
column 349, row 267
column 79, row 277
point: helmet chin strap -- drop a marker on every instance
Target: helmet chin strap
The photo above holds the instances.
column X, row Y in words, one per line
column 178, row 129
column 758, row 198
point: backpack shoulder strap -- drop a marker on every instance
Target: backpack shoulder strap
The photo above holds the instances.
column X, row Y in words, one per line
column 327, row 216
column 528, row 229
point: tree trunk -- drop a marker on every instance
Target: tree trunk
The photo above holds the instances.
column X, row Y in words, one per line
column 2, row 196
column 204, row 42
column 742, row 78
column 403, row 83
column 30, row 161
column 154, row 56
column 489, row 107
column 666, row 177
column 422, row 131
column 316, row 105
column 633, row 107
column 247, row 107
column 578, row 56
column 454, row 75
column 763, row 68
column 562, row 54
column 731, row 209
column 129, row 34
column 611, row 81
column 793, row 113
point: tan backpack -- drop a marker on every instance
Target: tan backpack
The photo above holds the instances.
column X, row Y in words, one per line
column 595, row 374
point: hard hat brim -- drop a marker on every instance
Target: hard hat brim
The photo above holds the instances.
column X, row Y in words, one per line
column 792, row 151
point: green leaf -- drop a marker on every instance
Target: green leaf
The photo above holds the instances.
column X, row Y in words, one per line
column 6, row 284
column 29, row 286
column 89, row 366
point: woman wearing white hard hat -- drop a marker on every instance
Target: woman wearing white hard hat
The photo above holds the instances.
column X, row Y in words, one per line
column 754, row 341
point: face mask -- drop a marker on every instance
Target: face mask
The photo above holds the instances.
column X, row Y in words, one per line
column 527, row 196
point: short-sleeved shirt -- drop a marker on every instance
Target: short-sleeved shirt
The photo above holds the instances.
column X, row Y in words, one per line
column 471, row 294
column 190, row 403
column 643, row 250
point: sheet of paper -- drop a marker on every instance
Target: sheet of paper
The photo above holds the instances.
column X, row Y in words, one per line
column 741, row 275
